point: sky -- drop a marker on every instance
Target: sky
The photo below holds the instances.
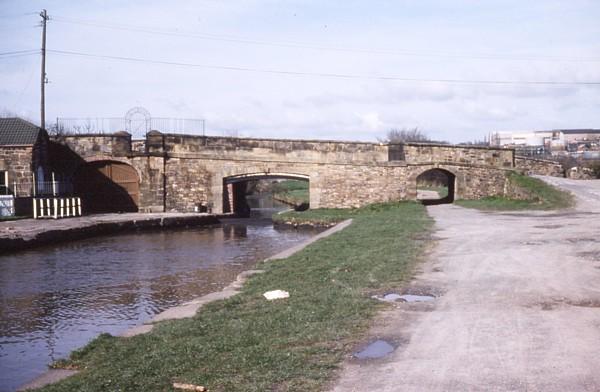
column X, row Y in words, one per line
column 310, row 69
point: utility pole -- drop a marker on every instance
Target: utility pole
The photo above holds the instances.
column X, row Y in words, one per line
column 44, row 16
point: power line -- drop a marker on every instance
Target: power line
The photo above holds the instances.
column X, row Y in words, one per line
column 300, row 45
column 8, row 57
column 17, row 15
column 325, row 74
column 31, row 51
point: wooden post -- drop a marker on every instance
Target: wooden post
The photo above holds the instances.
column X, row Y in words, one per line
column 44, row 16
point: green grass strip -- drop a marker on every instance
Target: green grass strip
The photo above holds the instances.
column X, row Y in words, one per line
column 247, row 343
column 540, row 196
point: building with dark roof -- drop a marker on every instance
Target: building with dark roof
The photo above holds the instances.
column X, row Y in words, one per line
column 23, row 159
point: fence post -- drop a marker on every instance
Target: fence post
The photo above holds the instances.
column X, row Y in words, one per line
column 79, row 205
column 55, row 200
column 35, row 208
column 53, row 185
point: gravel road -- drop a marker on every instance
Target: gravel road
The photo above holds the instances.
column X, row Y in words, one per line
column 517, row 308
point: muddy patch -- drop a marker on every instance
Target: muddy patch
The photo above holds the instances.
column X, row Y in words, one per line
column 377, row 349
column 553, row 304
column 583, row 240
column 585, row 303
column 548, row 305
column 593, row 256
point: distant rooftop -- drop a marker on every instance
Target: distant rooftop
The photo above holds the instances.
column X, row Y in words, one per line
column 18, row 132
column 576, row 131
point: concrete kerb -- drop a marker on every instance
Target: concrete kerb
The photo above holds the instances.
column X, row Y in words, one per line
column 287, row 253
column 187, row 309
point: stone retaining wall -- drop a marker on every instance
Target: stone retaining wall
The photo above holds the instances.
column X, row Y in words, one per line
column 541, row 167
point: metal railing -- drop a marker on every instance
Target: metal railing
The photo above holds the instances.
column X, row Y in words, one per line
column 136, row 127
column 38, row 188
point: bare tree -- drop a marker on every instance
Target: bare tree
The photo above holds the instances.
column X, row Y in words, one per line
column 404, row 135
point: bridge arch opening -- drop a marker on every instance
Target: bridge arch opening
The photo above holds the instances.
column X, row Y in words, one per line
column 436, row 186
column 246, row 194
column 107, row 186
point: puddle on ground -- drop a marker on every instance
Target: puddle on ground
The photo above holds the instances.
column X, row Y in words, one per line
column 548, row 226
column 533, row 243
column 394, row 297
column 377, row 349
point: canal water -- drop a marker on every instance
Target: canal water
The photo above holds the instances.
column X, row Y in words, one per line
column 57, row 298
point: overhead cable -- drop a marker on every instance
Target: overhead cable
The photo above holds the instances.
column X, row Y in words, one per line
column 300, row 45
column 326, row 74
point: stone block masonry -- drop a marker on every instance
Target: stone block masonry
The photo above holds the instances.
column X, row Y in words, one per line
column 183, row 172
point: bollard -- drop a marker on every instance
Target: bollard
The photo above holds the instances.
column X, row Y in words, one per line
column 79, row 205
column 35, row 208
column 68, row 201
column 55, row 208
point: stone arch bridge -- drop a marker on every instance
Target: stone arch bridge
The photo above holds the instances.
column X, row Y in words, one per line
column 172, row 172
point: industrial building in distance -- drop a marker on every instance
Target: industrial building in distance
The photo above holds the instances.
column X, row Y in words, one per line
column 577, row 143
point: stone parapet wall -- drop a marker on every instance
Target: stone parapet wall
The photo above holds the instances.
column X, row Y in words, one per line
column 427, row 153
column 267, row 149
column 115, row 145
column 541, row 167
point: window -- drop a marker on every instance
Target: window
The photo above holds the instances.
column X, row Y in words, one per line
column 4, row 182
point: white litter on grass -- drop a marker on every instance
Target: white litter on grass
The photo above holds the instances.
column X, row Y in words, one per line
column 276, row 294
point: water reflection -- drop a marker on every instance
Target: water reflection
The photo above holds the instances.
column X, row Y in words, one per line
column 55, row 299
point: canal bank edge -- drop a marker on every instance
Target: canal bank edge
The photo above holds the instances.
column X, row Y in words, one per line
column 24, row 234
column 187, row 309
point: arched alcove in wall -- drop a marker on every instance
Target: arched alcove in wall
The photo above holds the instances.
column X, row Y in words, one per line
column 436, row 186
column 107, row 186
column 236, row 189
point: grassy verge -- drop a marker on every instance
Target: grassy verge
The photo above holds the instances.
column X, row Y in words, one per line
column 539, row 196
column 319, row 217
column 292, row 191
column 441, row 190
column 246, row 343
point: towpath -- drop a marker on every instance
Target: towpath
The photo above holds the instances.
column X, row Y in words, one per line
column 518, row 305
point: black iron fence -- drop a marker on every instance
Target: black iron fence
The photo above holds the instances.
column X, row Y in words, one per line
column 136, row 127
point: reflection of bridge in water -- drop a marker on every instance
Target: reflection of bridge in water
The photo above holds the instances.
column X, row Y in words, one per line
column 191, row 173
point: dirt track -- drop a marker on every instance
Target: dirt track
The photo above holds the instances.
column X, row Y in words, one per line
column 518, row 306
